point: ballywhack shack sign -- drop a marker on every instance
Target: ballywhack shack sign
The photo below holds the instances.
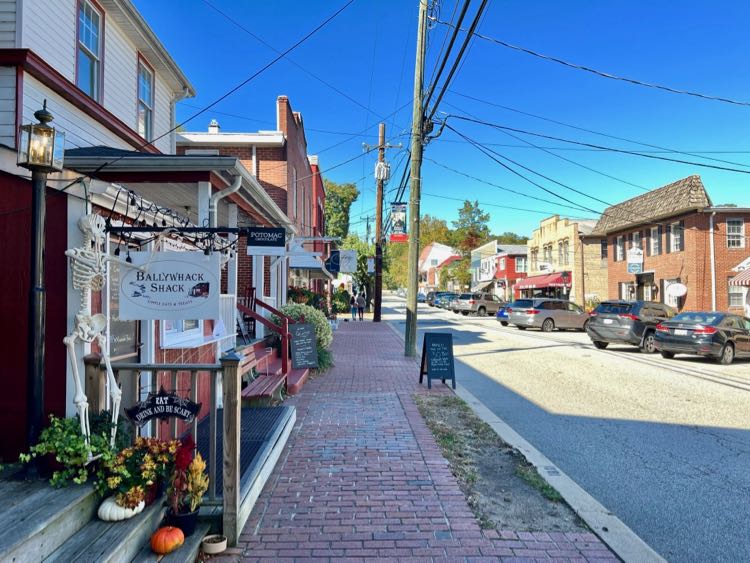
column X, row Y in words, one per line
column 171, row 286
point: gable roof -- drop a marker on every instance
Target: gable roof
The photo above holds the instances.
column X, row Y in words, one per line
column 448, row 261
column 673, row 199
column 512, row 249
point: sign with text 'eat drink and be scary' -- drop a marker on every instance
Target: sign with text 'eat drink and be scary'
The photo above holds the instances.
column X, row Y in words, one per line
column 171, row 286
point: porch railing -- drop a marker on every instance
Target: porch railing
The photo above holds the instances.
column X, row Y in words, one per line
column 231, row 387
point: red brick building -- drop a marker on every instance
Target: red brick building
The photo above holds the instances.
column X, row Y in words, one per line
column 511, row 266
column 683, row 240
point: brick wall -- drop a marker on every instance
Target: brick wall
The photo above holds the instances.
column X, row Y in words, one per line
column 595, row 282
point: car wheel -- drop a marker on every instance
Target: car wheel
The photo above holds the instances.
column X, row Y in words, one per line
column 600, row 345
column 482, row 312
column 521, row 327
column 667, row 355
column 548, row 325
column 585, row 326
column 465, row 313
column 503, row 323
column 726, row 356
column 649, row 343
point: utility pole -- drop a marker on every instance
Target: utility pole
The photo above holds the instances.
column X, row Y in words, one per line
column 410, row 339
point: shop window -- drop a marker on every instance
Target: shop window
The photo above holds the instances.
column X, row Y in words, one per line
column 736, row 296
column 88, row 57
column 735, row 233
column 174, row 332
column 627, row 291
column 145, row 101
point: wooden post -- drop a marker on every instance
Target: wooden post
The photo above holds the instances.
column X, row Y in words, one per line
column 95, row 390
column 231, row 493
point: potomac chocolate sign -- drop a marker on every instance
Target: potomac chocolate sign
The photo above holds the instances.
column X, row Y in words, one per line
column 163, row 405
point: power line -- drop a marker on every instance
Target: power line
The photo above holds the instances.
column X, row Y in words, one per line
column 594, row 132
column 610, row 149
column 599, row 72
column 498, row 205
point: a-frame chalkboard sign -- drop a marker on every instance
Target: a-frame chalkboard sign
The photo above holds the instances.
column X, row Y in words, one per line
column 437, row 358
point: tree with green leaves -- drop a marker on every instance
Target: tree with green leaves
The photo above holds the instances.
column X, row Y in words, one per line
column 339, row 199
column 510, row 238
column 471, row 229
column 362, row 279
column 432, row 229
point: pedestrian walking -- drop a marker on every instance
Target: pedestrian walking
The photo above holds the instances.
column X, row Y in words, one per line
column 353, row 306
column 361, row 305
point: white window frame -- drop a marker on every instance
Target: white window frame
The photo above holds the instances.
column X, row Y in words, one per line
column 169, row 338
column 620, row 248
column 736, row 239
column 147, row 105
column 654, row 241
column 521, row 264
column 675, row 237
column 82, row 48
column 738, row 292
column 502, row 264
column 636, row 240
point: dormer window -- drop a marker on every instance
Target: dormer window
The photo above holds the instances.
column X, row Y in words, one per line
column 145, row 101
column 88, row 69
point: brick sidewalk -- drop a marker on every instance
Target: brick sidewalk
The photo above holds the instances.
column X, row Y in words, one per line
column 362, row 477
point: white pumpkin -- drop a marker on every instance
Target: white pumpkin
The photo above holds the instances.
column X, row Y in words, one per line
column 110, row 511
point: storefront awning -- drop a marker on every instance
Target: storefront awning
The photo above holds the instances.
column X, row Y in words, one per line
column 544, row 280
column 743, row 278
column 308, row 261
column 482, row 285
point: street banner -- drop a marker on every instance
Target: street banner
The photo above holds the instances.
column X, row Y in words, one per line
column 347, row 261
column 263, row 241
column 398, row 222
column 332, row 262
column 170, row 286
column 370, row 265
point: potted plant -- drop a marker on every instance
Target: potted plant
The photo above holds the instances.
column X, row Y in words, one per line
column 63, row 448
column 188, row 484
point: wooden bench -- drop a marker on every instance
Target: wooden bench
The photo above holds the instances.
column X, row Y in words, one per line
column 264, row 387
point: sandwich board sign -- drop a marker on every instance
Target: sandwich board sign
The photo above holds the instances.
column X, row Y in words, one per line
column 437, row 358
column 304, row 346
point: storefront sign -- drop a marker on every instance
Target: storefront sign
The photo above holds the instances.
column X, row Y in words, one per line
column 635, row 267
column 398, row 222
column 347, row 261
column 437, row 358
column 262, row 241
column 171, row 285
column 163, row 405
column 635, row 260
column 304, row 346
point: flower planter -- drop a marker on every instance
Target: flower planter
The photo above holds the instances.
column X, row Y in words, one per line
column 214, row 544
column 185, row 522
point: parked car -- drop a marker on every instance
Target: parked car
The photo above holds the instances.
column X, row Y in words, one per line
column 454, row 303
column 547, row 314
column 444, row 299
column 721, row 336
column 628, row 322
column 421, row 297
column 480, row 304
column 502, row 315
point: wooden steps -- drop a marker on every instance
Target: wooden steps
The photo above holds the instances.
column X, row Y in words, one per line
column 38, row 519
column 296, row 379
column 110, row 542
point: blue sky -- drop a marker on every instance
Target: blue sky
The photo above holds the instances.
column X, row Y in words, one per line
column 368, row 52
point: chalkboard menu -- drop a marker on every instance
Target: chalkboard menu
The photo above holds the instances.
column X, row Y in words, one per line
column 304, row 346
column 123, row 335
column 437, row 358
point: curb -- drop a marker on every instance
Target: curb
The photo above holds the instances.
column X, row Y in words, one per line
column 623, row 541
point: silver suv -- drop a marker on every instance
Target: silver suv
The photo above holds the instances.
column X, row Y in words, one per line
column 481, row 304
column 547, row 314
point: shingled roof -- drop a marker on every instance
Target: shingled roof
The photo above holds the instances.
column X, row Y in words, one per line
column 673, row 199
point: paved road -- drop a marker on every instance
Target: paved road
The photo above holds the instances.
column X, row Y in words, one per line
column 664, row 444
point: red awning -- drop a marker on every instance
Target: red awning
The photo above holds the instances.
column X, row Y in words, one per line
column 545, row 280
column 743, row 278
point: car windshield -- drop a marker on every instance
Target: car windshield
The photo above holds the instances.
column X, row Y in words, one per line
column 702, row 318
column 613, row 308
column 521, row 304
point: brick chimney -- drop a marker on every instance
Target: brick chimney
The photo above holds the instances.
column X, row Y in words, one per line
column 283, row 111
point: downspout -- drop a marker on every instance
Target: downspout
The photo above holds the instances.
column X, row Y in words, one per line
column 213, row 216
column 713, row 259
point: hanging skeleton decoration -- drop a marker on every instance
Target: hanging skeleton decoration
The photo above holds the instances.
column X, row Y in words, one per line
column 89, row 266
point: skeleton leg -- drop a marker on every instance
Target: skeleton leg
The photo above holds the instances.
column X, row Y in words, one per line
column 80, row 400
column 114, row 389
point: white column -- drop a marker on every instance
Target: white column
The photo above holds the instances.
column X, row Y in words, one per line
column 284, row 278
column 258, row 262
column 232, row 265
column 275, row 293
column 204, row 200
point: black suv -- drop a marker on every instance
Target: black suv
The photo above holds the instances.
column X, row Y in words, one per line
column 627, row 322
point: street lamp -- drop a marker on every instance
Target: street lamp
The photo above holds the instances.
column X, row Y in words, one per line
column 40, row 149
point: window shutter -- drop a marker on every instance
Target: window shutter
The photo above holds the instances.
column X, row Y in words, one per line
column 659, row 245
column 646, row 243
column 662, row 297
column 682, row 235
column 667, row 242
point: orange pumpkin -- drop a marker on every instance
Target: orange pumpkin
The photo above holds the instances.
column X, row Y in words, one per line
column 166, row 540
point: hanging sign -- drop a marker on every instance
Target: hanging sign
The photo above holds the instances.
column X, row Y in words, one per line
column 398, row 222
column 171, row 286
column 332, row 262
column 163, row 405
column 635, row 260
column 347, row 261
column 437, row 358
column 262, row 241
